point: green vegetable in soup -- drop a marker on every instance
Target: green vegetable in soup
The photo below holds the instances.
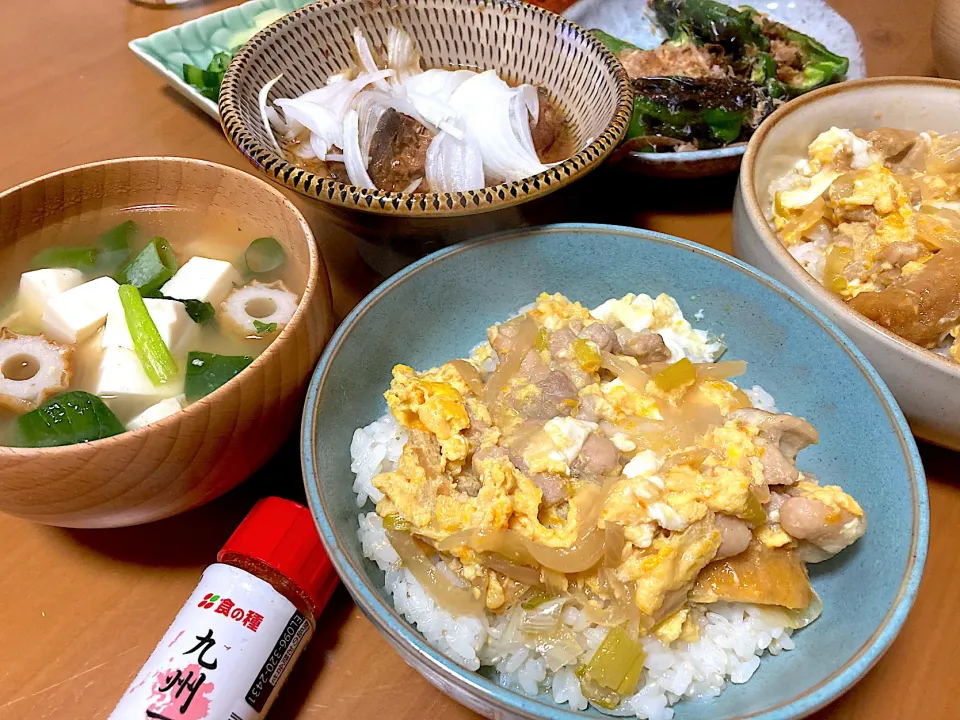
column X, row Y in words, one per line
column 68, row 418
column 208, row 371
column 150, row 269
column 264, row 255
column 81, row 258
column 154, row 354
column 114, row 246
column 198, row 310
column 263, row 328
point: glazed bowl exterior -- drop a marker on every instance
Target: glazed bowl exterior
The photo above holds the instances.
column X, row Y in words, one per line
column 926, row 385
column 199, row 453
column 440, row 307
column 523, row 43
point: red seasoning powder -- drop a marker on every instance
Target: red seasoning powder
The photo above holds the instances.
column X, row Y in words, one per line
column 234, row 642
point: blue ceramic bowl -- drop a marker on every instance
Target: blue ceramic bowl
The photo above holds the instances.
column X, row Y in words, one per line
column 440, row 307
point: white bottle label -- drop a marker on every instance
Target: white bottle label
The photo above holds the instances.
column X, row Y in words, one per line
column 224, row 657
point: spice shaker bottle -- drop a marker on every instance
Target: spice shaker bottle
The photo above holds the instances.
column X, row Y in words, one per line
column 235, row 640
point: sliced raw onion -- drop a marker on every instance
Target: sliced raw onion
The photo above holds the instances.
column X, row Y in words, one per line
column 366, row 57
column 355, row 162
column 454, row 165
column 262, row 100
column 402, row 54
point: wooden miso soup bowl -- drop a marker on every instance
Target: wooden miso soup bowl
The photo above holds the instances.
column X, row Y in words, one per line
column 199, row 453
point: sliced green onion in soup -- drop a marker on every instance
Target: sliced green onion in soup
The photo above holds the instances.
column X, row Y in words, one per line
column 65, row 419
column 150, row 268
column 80, row 258
column 154, row 354
column 264, row 255
column 208, row 371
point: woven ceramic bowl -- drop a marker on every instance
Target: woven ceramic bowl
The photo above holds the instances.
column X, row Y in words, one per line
column 521, row 42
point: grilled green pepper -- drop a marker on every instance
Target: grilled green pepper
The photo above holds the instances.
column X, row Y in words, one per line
column 709, row 22
column 613, row 44
column 709, row 112
column 818, row 66
column 208, row 80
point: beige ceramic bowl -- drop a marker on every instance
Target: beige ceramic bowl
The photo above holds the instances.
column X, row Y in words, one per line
column 214, row 444
column 926, row 385
column 523, row 43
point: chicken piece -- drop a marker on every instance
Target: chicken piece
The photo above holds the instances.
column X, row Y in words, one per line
column 601, row 334
column 32, row 369
column 920, row 307
column 554, row 488
column 646, row 346
column 825, row 517
column 598, row 456
column 553, row 396
column 782, row 438
column 735, row 536
column 501, row 337
column 758, row 575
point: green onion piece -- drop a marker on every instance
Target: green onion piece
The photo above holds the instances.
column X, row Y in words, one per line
column 68, row 418
column 617, row 663
column 394, row 522
column 154, row 354
column 150, row 269
column 538, row 598
column 198, row 310
column 263, row 328
column 208, row 371
column 114, row 246
column 81, row 258
column 264, row 255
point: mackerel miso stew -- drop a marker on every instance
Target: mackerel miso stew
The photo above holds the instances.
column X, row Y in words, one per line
column 126, row 319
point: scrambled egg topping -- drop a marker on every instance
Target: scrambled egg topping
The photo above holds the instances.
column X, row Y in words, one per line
column 841, row 208
column 601, row 478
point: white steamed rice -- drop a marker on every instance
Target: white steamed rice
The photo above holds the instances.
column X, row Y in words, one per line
column 732, row 637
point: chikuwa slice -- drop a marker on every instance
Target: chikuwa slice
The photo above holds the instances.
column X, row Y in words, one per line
column 258, row 308
column 32, row 369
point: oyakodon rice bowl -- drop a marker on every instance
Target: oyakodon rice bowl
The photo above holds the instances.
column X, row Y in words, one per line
column 596, row 508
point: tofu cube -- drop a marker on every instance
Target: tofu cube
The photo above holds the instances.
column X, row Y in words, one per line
column 162, row 409
column 38, row 287
column 176, row 328
column 76, row 314
column 203, row 279
column 125, row 387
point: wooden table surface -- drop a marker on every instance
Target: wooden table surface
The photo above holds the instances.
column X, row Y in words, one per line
column 81, row 610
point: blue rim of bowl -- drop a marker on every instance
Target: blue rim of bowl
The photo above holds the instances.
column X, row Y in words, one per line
column 401, row 633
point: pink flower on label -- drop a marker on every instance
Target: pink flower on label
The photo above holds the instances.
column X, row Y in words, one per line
column 181, row 693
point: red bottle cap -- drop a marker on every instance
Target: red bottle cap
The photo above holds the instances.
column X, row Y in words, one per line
column 281, row 534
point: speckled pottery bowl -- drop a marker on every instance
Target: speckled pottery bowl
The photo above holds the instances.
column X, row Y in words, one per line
column 521, row 42
column 440, row 307
column 926, row 384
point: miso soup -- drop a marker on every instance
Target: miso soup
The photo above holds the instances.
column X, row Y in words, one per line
column 125, row 319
